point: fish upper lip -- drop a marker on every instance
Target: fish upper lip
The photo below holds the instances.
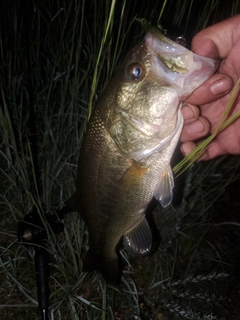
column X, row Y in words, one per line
column 160, row 43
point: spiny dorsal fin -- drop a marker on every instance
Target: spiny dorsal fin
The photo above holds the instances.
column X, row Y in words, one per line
column 138, row 240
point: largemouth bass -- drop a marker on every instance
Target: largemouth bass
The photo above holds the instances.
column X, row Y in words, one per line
column 131, row 136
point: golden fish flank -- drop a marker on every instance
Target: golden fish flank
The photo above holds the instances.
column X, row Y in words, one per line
column 128, row 145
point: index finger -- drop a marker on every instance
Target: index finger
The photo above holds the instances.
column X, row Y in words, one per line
column 212, row 89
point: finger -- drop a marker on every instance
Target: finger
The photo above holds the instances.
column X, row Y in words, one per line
column 212, row 89
column 187, row 147
column 217, row 40
column 190, row 113
column 212, row 151
column 195, row 130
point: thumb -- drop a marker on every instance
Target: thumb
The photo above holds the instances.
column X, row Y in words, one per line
column 217, row 40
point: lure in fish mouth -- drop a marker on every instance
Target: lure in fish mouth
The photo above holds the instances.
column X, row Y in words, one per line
column 131, row 136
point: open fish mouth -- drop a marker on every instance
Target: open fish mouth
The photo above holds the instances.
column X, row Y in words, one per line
column 176, row 65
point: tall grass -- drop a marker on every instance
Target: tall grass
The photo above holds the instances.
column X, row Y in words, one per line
column 56, row 59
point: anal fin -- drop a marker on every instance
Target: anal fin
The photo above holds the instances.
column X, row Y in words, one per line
column 138, row 240
column 164, row 190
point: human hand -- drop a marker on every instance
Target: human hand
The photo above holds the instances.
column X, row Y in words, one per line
column 222, row 41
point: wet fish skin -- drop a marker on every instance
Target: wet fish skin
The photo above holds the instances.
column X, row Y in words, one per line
column 128, row 145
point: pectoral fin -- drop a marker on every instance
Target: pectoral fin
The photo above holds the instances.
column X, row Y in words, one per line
column 164, row 190
column 138, row 240
column 133, row 176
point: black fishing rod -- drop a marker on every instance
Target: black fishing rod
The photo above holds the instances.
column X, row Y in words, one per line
column 32, row 233
column 32, row 229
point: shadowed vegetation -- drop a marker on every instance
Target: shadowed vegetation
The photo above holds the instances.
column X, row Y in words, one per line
column 56, row 58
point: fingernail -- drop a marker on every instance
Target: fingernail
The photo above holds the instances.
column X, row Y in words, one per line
column 220, row 86
column 188, row 112
column 183, row 150
column 187, row 147
column 196, row 127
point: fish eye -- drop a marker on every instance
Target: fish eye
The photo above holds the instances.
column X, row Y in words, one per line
column 135, row 71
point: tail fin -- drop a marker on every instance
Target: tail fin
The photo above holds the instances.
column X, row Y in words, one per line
column 111, row 269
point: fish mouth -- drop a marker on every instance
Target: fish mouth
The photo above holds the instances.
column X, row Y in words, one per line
column 176, row 65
